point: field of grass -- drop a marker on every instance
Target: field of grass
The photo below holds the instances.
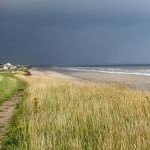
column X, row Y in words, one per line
column 8, row 86
column 61, row 114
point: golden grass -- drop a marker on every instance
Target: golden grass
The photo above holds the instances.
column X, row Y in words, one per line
column 64, row 114
column 1, row 78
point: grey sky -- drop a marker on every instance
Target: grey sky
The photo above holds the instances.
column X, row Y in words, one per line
column 74, row 32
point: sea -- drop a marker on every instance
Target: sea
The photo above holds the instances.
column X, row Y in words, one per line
column 140, row 70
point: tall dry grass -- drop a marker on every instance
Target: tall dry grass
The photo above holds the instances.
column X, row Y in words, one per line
column 61, row 114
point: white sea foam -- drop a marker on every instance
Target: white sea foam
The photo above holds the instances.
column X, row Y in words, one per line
column 140, row 72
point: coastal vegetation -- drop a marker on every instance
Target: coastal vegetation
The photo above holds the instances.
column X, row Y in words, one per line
column 60, row 113
column 11, row 89
column 8, row 86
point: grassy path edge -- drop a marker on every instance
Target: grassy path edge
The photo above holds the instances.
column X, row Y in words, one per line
column 9, row 85
column 10, row 136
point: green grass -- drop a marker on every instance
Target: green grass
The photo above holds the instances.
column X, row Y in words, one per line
column 60, row 114
column 15, row 85
column 13, row 139
column 8, row 86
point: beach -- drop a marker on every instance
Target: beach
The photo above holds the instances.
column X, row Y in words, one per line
column 134, row 81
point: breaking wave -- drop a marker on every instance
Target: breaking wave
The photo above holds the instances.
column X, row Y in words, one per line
column 141, row 71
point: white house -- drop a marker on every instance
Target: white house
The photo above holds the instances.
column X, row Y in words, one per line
column 9, row 66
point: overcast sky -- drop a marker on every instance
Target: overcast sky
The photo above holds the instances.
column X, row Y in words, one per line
column 75, row 32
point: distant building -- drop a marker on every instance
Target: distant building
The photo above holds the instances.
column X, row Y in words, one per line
column 9, row 66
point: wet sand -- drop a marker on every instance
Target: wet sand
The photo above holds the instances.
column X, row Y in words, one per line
column 136, row 81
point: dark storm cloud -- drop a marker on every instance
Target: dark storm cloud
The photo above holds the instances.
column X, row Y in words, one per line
column 70, row 32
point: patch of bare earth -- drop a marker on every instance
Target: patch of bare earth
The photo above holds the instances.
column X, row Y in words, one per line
column 7, row 110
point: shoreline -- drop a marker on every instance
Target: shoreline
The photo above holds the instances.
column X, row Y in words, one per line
column 110, row 72
column 134, row 81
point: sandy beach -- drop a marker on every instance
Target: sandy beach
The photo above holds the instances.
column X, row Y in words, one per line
column 135, row 81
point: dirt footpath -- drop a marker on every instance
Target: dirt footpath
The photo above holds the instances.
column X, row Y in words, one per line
column 7, row 110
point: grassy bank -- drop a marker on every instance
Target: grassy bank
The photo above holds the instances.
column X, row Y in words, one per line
column 62, row 114
column 8, row 86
